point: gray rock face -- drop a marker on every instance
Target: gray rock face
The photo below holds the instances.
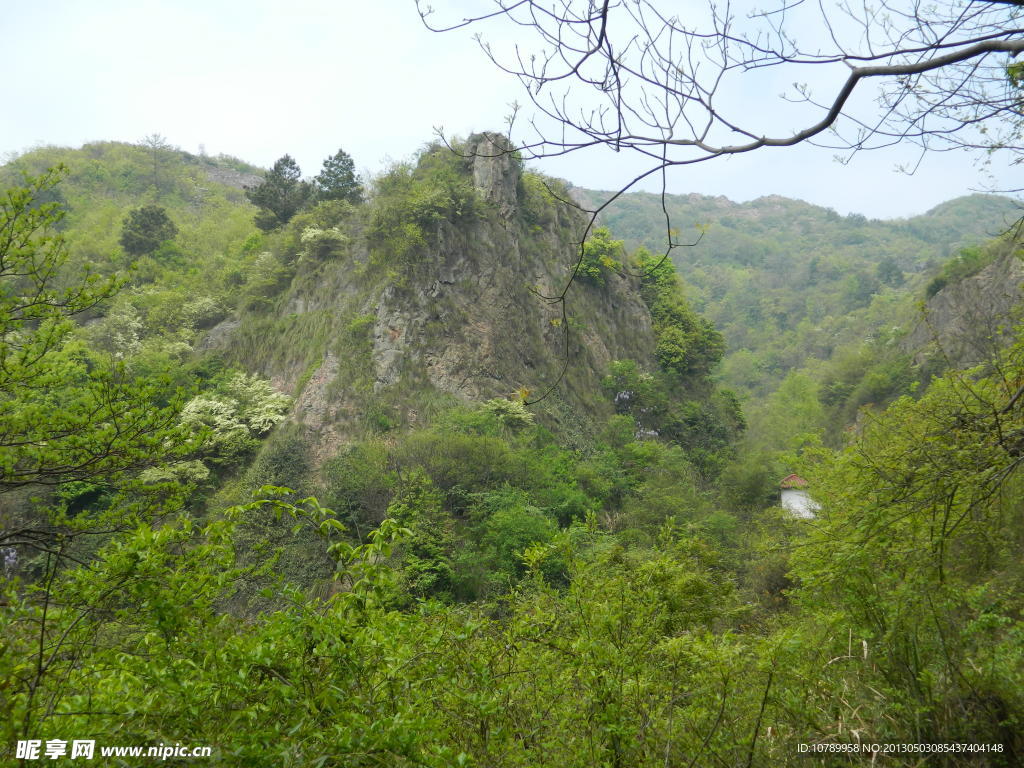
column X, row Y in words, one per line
column 219, row 336
column 466, row 318
column 232, row 178
column 474, row 323
column 312, row 406
column 392, row 351
column 495, row 170
column 973, row 318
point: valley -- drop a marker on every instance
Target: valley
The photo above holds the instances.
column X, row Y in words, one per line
column 425, row 469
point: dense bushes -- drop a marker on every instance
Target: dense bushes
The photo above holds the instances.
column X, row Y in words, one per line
column 484, row 595
column 600, row 255
column 687, row 344
column 678, row 402
column 410, row 202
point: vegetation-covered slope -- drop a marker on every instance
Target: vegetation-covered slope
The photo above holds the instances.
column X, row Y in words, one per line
column 592, row 582
column 375, row 317
column 786, row 281
column 814, row 306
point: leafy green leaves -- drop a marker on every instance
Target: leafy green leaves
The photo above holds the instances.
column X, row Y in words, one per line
column 65, row 413
column 280, row 195
column 601, row 255
column 145, row 229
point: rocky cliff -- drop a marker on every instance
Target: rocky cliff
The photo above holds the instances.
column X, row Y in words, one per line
column 969, row 320
column 363, row 334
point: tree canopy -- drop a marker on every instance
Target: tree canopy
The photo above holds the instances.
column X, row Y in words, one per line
column 280, row 195
column 145, row 228
column 338, row 179
column 64, row 413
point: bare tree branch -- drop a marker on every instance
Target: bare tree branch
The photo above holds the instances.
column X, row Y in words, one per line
column 627, row 76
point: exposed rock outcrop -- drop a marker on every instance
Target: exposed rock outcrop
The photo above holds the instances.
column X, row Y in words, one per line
column 219, row 336
column 474, row 322
column 971, row 319
column 496, row 170
column 466, row 317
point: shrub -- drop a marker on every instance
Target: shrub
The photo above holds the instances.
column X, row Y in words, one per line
column 145, row 228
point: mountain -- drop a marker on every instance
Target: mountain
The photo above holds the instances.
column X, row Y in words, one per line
column 443, row 295
column 299, row 491
column 375, row 317
column 787, row 281
column 815, row 307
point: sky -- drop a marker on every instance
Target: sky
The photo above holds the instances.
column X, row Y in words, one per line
column 261, row 78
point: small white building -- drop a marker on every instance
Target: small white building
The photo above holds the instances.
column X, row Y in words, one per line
column 795, row 499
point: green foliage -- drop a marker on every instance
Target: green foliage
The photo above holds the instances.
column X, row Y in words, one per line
column 511, row 413
column 338, row 179
column 411, row 202
column 264, row 279
column 967, row 263
column 678, row 403
column 790, row 285
column 915, row 555
column 537, row 198
column 706, row 427
column 65, row 413
column 206, row 262
column 280, row 195
column 425, row 555
column 889, row 272
column 234, row 414
column 145, row 229
column 359, row 484
column 499, row 599
column 687, row 344
column 510, row 525
column 793, row 416
column 601, row 254
column 899, row 619
column 320, row 244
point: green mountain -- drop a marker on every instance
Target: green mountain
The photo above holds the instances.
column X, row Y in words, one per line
column 814, row 306
column 341, row 480
column 356, row 324
column 786, row 281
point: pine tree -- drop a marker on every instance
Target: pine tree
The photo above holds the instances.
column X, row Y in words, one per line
column 281, row 195
column 338, row 180
column 145, row 229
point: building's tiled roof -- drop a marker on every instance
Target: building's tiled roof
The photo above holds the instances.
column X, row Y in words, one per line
column 793, row 481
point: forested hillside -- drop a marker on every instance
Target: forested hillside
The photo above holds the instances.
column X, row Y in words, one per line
column 786, row 281
column 321, row 470
column 815, row 306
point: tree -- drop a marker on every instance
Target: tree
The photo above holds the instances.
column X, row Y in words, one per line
column 159, row 152
column 70, row 420
column 889, row 272
column 627, row 75
column 65, row 413
column 281, row 195
column 600, row 254
column 338, row 180
column 145, row 228
column 917, row 553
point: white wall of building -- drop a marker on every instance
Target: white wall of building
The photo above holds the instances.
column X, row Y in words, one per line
column 799, row 503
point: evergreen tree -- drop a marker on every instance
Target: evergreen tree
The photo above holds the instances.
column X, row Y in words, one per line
column 145, row 229
column 338, row 180
column 281, row 195
column 889, row 272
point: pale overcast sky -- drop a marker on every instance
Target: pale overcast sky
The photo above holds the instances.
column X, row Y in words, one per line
column 260, row 78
